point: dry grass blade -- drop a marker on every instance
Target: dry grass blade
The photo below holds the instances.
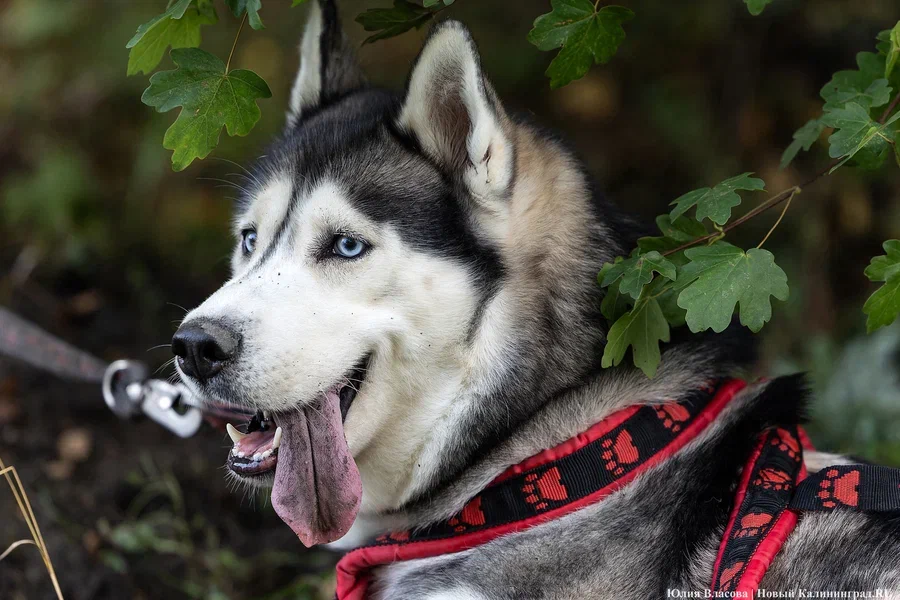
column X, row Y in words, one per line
column 18, row 491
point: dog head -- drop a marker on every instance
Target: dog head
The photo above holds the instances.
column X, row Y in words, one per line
column 394, row 256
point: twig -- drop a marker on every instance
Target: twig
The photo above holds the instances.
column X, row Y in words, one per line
column 770, row 203
column 887, row 112
column 234, row 44
column 787, row 205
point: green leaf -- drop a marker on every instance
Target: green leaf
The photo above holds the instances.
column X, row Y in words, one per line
column 681, row 229
column 615, row 303
column 877, row 93
column 637, row 271
column 175, row 11
column 585, row 34
column 676, row 232
column 893, row 50
column 668, row 303
column 297, row 2
column 716, row 203
column 390, row 22
column 430, row 3
column 838, row 95
column 642, row 329
column 210, row 99
column 251, row 7
column 857, row 86
column 804, row 138
column 756, row 6
column 855, row 130
column 897, row 148
column 721, row 276
column 180, row 29
column 883, row 306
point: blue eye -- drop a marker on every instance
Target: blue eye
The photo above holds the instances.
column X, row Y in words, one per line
column 248, row 241
column 348, row 247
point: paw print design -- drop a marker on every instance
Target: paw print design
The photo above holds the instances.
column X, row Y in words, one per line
column 470, row 516
column 786, row 443
column 543, row 488
column 753, row 524
column 843, row 490
column 619, row 453
column 727, row 581
column 673, row 416
column 773, row 479
column 397, row 536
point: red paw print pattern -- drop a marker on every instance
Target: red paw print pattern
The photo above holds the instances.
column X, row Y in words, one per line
column 470, row 516
column 398, row 536
column 753, row 524
column 619, row 453
column 786, row 443
column 544, row 487
column 727, row 581
column 773, row 479
column 673, row 416
column 839, row 490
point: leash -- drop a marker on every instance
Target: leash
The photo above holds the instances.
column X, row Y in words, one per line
column 126, row 386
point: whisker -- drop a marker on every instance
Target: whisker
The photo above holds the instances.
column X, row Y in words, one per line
column 178, row 306
column 165, row 365
column 226, row 183
column 242, row 167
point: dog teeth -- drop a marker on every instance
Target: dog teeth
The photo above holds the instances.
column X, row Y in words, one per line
column 235, row 435
column 276, row 441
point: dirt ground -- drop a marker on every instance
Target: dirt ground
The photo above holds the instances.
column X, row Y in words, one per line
column 128, row 510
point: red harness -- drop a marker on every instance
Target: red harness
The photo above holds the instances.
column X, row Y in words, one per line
column 596, row 463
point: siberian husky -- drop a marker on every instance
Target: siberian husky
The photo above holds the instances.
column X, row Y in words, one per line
column 414, row 309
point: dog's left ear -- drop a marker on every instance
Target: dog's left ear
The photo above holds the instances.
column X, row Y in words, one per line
column 328, row 65
column 454, row 114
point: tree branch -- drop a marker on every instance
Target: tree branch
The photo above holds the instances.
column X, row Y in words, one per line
column 887, row 112
column 768, row 204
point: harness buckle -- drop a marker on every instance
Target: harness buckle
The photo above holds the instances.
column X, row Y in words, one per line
column 128, row 392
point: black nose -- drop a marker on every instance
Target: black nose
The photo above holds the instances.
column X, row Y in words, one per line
column 203, row 347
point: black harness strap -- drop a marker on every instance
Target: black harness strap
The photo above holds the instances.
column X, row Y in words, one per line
column 760, row 520
column 860, row 487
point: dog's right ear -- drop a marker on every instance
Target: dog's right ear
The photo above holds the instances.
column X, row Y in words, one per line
column 328, row 65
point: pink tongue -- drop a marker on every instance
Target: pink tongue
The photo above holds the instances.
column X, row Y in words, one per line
column 317, row 489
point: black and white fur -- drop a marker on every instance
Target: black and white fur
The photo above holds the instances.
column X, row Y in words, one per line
column 478, row 303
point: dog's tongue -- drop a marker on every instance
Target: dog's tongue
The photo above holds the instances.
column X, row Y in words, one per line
column 317, row 489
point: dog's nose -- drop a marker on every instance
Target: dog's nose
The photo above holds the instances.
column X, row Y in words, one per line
column 203, row 347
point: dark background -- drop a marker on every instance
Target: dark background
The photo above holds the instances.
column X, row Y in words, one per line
column 103, row 244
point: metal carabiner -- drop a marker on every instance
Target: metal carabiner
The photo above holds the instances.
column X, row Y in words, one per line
column 128, row 392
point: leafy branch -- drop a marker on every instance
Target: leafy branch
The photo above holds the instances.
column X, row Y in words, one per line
column 712, row 278
column 689, row 275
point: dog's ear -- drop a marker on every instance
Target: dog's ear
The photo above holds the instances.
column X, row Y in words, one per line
column 455, row 115
column 328, row 65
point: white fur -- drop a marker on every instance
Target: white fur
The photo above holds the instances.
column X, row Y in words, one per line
column 307, row 322
column 816, row 461
column 391, row 576
column 307, row 86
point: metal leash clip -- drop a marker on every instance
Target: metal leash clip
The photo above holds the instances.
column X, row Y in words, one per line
column 128, row 391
